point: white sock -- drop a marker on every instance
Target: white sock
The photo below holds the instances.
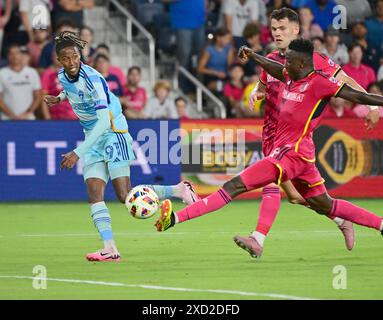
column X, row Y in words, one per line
column 338, row 221
column 260, row 237
column 110, row 244
column 381, row 226
column 175, row 218
column 177, row 190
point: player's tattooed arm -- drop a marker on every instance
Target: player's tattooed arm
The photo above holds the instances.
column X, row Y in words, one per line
column 272, row 67
column 350, row 94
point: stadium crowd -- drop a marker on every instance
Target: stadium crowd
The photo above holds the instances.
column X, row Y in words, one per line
column 205, row 41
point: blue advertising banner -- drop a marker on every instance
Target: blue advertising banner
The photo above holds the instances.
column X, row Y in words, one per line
column 30, row 155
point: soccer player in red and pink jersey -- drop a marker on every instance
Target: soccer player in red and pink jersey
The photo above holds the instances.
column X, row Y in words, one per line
column 303, row 99
column 285, row 28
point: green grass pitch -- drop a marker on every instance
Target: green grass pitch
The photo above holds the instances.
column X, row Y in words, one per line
column 194, row 260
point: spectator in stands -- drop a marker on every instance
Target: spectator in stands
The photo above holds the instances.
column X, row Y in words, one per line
column 188, row 20
column 356, row 9
column 318, row 44
column 73, row 10
column 5, row 15
column 375, row 27
column 20, row 88
column 233, row 91
column 28, row 9
column 47, row 53
column 216, row 59
column 14, row 32
column 239, row 13
column 334, row 49
column 102, row 65
column 322, row 11
column 181, row 106
column 86, row 33
column 134, row 97
column 252, row 35
column 35, row 47
column 362, row 73
column 308, row 28
column 52, row 86
column 371, row 55
column 116, row 70
column 161, row 106
column 339, row 108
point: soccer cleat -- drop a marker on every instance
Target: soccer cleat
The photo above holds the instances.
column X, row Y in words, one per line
column 250, row 245
column 348, row 231
column 166, row 219
column 188, row 193
column 103, row 255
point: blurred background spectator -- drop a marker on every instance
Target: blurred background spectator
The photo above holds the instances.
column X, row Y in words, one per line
column 339, row 108
column 5, row 15
column 308, row 28
column 20, row 88
column 35, row 47
column 87, row 34
column 181, row 106
column 322, row 11
column 161, row 106
column 102, row 65
column 134, row 97
column 72, row 10
column 216, row 59
column 233, row 91
column 251, row 33
column 362, row 73
column 355, row 9
column 238, row 13
column 333, row 48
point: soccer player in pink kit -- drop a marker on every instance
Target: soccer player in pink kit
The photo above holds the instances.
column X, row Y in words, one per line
column 303, row 100
column 285, row 28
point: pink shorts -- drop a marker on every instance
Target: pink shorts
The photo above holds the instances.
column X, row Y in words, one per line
column 303, row 174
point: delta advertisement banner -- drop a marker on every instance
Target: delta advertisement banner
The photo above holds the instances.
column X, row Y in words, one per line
column 349, row 157
column 30, row 155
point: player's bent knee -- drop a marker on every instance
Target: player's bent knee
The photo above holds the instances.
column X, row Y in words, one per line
column 234, row 187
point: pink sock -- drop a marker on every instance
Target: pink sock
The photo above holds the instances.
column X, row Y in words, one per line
column 211, row 203
column 348, row 211
column 271, row 202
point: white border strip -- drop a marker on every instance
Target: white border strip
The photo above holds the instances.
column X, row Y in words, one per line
column 152, row 287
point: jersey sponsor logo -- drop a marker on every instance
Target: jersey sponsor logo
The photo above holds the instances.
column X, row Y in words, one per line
column 331, row 63
column 292, row 96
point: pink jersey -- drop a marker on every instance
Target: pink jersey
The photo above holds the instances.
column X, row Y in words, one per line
column 137, row 98
column 301, row 109
column 52, row 86
column 274, row 87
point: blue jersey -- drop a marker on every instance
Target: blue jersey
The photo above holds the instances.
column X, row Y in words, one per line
column 90, row 92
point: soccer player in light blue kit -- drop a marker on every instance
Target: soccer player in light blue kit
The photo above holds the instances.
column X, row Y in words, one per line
column 107, row 149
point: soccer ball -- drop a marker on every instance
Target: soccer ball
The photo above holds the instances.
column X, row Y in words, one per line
column 142, row 202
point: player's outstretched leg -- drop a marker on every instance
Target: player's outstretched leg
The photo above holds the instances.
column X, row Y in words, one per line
column 184, row 191
column 324, row 204
column 256, row 176
column 102, row 221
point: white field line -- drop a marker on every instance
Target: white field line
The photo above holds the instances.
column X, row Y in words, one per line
column 164, row 288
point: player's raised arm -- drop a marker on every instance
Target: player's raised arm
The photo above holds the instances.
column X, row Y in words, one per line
column 272, row 67
column 355, row 96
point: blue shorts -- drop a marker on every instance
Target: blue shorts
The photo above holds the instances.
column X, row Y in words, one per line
column 110, row 157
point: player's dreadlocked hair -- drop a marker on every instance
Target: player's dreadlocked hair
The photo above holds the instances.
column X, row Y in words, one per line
column 69, row 39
